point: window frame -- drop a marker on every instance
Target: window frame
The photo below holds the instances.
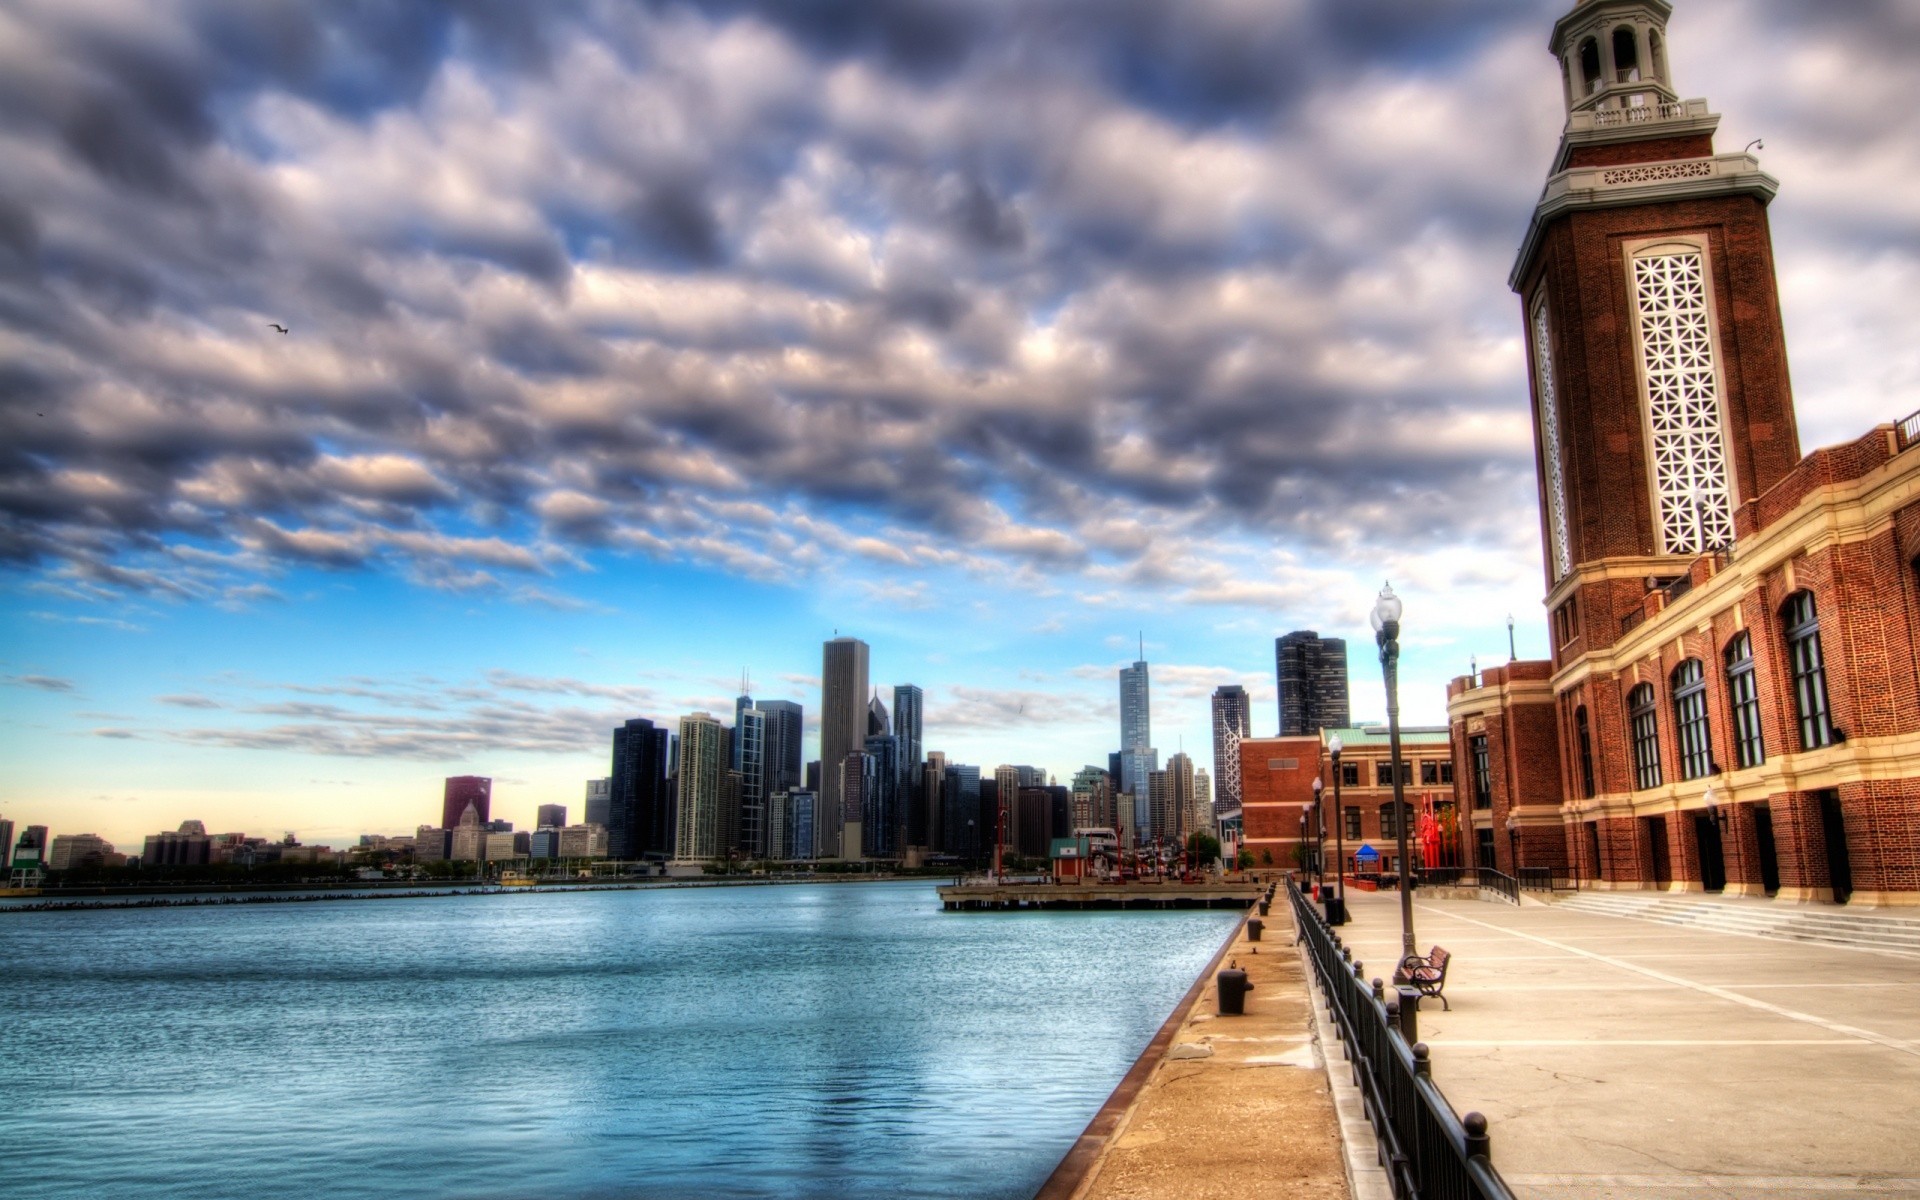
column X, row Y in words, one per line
column 1692, row 733
column 1643, row 731
column 1583, row 738
column 1743, row 702
column 1807, row 671
column 1482, row 771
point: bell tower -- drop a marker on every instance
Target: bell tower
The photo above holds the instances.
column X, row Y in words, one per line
column 1658, row 366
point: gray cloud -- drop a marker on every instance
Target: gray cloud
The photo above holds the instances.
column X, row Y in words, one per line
column 1098, row 288
column 44, row 683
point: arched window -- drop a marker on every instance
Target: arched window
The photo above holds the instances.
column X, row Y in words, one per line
column 1809, row 671
column 1743, row 698
column 1646, row 737
column 1689, row 685
column 1626, row 55
column 1658, row 53
column 1584, row 735
column 1590, row 65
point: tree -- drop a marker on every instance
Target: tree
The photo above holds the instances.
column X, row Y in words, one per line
column 1246, row 859
column 1202, row 848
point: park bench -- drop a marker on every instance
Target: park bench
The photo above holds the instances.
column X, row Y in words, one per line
column 1429, row 974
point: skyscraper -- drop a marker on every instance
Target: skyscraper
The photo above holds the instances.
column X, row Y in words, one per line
column 741, row 705
column 962, row 804
column 908, row 704
column 700, row 823
column 550, row 815
column 1138, row 758
column 599, row 798
column 640, row 813
column 1232, row 720
column 856, row 779
column 462, row 790
column 1312, row 673
column 882, row 816
column 750, row 757
column 843, row 731
column 785, row 728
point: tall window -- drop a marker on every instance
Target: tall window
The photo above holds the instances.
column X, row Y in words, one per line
column 1559, row 545
column 1350, row 774
column 1584, row 735
column 1809, row 671
column 1690, row 719
column 1390, row 820
column 1743, row 696
column 1682, row 381
column 1646, row 737
column 1352, row 815
column 1482, row 774
column 1383, row 774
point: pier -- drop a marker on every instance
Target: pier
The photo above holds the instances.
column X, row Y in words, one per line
column 1007, row 895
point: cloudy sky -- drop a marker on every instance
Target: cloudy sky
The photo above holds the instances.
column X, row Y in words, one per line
column 633, row 343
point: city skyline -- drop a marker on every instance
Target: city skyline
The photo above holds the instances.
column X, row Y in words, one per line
column 992, row 358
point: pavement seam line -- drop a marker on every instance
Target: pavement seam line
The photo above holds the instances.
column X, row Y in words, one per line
column 1866, row 1035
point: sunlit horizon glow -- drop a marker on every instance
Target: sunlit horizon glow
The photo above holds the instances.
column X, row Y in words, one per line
column 634, row 345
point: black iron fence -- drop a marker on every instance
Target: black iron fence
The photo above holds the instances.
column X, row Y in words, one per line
column 1501, row 882
column 1429, row 1153
column 1546, row 879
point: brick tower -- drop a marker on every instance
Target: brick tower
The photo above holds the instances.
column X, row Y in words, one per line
column 1733, row 700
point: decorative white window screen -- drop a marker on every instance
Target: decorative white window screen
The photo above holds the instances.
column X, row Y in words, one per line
column 1561, row 552
column 1683, row 402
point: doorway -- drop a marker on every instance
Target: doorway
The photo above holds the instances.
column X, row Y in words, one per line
column 1483, row 849
column 1834, row 826
column 1769, row 853
column 1656, row 828
column 1713, row 862
column 1593, row 850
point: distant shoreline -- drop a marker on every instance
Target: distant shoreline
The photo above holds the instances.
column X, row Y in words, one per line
column 190, row 897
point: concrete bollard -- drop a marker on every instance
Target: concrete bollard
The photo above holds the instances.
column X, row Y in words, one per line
column 1254, row 927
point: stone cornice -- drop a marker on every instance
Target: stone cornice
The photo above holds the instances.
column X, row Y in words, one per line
column 1632, row 184
column 1499, row 697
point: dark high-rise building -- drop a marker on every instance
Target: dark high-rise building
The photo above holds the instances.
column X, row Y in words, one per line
column 961, row 809
column 750, row 755
column 640, row 809
column 882, row 813
column 1312, row 673
column 908, row 704
column 843, row 731
column 551, row 816
column 1232, row 721
column 463, row 790
column 785, row 728
column 599, row 795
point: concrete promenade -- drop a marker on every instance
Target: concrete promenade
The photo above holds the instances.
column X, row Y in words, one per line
column 1622, row 1059
column 1223, row 1108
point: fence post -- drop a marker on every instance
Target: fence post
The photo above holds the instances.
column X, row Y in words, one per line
column 1479, row 1145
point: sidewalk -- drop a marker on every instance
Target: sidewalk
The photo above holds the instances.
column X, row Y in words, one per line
column 1621, row 1059
column 1239, row 1106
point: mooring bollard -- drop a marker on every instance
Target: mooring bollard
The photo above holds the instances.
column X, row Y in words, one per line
column 1234, row 986
column 1254, row 926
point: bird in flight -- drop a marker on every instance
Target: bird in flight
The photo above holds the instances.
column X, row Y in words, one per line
column 277, row 326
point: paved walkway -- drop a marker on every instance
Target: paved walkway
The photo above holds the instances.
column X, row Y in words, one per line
column 1238, row 1106
column 1620, row 1059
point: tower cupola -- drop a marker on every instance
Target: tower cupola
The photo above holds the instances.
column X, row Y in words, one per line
column 1613, row 55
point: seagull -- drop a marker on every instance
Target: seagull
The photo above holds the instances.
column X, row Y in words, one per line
column 277, row 326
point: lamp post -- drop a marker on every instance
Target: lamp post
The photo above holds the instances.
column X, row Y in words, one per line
column 1513, row 654
column 1319, row 838
column 1386, row 630
column 1339, row 834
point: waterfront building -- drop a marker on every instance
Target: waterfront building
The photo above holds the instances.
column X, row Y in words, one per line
column 782, row 756
column 1035, row 821
column 462, row 790
column 1180, row 798
column 882, row 810
column 1093, row 799
column 1732, row 701
column 503, row 847
column 469, row 840
column 700, row 821
column 1163, row 825
column 931, row 804
column 909, row 706
column 1277, row 777
column 29, row 858
column 962, row 810
column 598, row 801
column 1203, row 802
column 188, row 846
column 1232, row 720
column 72, row 850
column 641, row 809
column 856, row 779
column 584, row 841
column 843, row 731
column 803, row 807
column 554, row 815
column 750, row 758
column 1312, row 675
column 1006, row 787
column 779, row 827
column 431, row 844
column 545, row 843
column 6, row 844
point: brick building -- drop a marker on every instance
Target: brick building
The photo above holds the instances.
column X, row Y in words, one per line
column 1276, row 778
column 1733, row 701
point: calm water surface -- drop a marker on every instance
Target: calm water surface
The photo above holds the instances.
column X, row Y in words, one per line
column 824, row 1040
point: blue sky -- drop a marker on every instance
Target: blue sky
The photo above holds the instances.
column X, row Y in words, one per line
column 636, row 343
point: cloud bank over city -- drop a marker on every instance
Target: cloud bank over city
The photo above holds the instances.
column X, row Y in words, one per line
column 1055, row 307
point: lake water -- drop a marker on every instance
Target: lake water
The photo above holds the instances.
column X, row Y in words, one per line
column 826, row 1040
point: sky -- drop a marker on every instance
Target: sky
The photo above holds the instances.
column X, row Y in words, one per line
column 634, row 344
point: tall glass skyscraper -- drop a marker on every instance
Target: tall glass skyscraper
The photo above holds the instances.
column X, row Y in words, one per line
column 908, row 703
column 640, row 814
column 700, row 822
column 750, row 752
column 784, row 767
column 1138, row 758
column 1312, row 673
column 1232, row 721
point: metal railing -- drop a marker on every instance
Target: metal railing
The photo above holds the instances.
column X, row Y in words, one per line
column 1428, row 1151
column 1499, row 881
column 1546, row 879
column 1438, row 876
column 1909, row 430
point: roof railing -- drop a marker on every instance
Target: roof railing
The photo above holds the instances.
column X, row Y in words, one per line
column 1910, row 430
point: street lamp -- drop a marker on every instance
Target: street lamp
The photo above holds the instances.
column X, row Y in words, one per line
column 1339, row 835
column 1386, row 630
column 1319, row 838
